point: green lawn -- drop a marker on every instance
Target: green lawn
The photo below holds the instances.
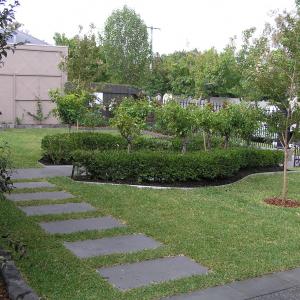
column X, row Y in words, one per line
column 229, row 229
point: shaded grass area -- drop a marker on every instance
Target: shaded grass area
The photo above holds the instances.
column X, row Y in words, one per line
column 228, row 229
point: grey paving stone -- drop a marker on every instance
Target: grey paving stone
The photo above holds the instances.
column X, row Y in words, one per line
column 76, row 225
column 261, row 286
column 39, row 196
column 144, row 273
column 288, row 294
column 292, row 276
column 32, row 185
column 215, row 293
column 47, row 171
column 111, row 245
column 56, row 209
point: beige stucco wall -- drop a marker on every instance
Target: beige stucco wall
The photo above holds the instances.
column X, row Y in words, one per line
column 27, row 75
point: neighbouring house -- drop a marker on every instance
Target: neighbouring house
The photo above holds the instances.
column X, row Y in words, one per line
column 26, row 76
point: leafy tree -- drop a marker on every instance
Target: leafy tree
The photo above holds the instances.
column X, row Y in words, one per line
column 8, row 26
column 275, row 76
column 227, row 121
column 177, row 121
column 205, row 121
column 130, row 118
column 126, row 46
column 85, row 62
column 217, row 74
column 70, row 108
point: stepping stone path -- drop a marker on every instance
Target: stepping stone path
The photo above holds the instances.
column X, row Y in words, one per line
column 39, row 196
column 70, row 226
column 123, row 277
column 32, row 185
column 112, row 245
column 140, row 274
column 56, row 209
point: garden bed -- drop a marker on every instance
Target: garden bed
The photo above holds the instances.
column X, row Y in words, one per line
column 3, row 291
column 189, row 184
column 283, row 202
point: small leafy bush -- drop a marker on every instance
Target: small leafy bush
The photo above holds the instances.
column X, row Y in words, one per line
column 5, row 167
column 170, row 167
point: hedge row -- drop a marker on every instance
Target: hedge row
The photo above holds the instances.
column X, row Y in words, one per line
column 58, row 148
column 168, row 167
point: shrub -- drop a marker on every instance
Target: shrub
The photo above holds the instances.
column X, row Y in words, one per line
column 58, row 148
column 169, row 167
column 5, row 167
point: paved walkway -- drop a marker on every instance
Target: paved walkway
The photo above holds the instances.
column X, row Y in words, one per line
column 278, row 286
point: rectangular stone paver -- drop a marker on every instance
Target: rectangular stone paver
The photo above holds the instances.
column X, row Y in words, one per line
column 111, row 245
column 144, row 273
column 32, row 185
column 288, row 294
column 261, row 285
column 69, row 226
column 56, row 209
column 215, row 293
column 39, row 196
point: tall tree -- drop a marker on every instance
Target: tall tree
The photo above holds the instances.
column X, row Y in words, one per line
column 126, row 45
column 85, row 62
column 8, row 26
column 274, row 70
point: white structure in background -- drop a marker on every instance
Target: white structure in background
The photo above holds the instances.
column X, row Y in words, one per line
column 167, row 97
column 98, row 98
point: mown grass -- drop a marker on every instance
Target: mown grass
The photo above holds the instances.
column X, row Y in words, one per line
column 229, row 229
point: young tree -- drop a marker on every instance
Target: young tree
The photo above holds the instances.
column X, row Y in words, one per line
column 227, row 121
column 8, row 26
column 130, row 118
column 85, row 62
column 126, row 46
column 275, row 75
column 205, row 121
column 177, row 120
column 70, row 108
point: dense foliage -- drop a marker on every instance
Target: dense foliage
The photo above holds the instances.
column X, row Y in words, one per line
column 168, row 167
column 5, row 167
column 8, row 26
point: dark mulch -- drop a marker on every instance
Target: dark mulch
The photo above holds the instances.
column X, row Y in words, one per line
column 3, row 292
column 219, row 181
column 281, row 202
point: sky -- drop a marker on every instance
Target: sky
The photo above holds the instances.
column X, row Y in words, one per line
column 184, row 25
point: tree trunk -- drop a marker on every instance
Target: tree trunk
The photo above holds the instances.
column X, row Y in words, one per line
column 285, row 175
column 69, row 127
column 129, row 147
column 204, row 141
column 184, row 145
column 226, row 141
column 208, row 140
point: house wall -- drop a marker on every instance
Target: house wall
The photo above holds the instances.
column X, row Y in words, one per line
column 28, row 75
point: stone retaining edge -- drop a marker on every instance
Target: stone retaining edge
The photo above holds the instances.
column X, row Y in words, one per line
column 17, row 288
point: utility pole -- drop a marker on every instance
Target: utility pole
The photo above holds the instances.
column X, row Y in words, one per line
column 151, row 42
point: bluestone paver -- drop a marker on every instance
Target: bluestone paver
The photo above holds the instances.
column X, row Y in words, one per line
column 288, row 294
column 261, row 286
column 215, row 293
column 144, row 273
column 112, row 245
column 56, row 209
column 32, row 185
column 39, row 196
column 291, row 275
column 47, row 171
column 69, row 226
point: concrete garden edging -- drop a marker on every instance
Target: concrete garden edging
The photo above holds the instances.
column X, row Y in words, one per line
column 17, row 288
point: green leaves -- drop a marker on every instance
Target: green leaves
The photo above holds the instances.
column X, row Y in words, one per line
column 126, row 46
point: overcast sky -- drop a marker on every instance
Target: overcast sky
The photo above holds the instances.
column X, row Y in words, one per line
column 184, row 24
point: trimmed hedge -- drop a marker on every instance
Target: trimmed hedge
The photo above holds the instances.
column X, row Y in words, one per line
column 168, row 167
column 58, row 148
